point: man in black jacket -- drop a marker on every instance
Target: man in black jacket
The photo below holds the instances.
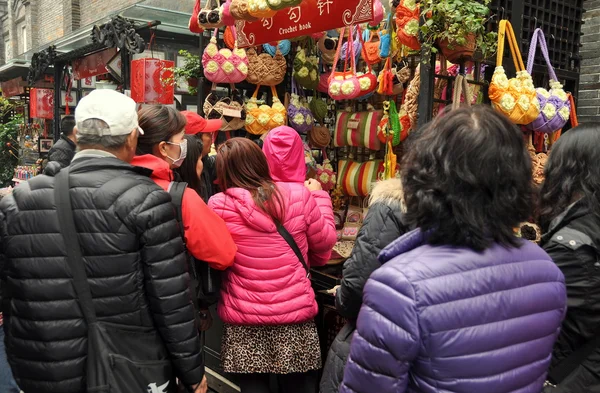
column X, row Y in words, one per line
column 64, row 149
column 133, row 254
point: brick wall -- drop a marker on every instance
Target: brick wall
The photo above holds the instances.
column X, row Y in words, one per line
column 588, row 104
column 51, row 21
column 92, row 10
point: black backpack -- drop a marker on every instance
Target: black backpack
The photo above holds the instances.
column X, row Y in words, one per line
column 206, row 281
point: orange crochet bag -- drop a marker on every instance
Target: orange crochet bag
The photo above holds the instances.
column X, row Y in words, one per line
column 407, row 24
column 515, row 97
column 262, row 118
column 370, row 50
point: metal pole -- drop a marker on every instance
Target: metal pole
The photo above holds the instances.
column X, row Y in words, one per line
column 125, row 68
column 427, row 70
column 201, row 80
column 58, row 72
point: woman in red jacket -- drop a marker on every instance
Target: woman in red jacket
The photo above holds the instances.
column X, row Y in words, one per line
column 162, row 148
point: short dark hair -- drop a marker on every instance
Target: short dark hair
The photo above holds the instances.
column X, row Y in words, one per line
column 67, row 124
column 572, row 173
column 160, row 123
column 467, row 179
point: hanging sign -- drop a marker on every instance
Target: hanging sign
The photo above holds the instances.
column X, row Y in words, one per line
column 13, row 87
column 93, row 65
column 311, row 16
column 41, row 103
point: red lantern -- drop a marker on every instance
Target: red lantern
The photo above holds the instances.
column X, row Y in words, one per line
column 41, row 103
column 151, row 81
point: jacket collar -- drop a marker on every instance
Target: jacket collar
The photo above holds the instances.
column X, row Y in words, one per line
column 573, row 212
column 69, row 141
column 403, row 244
column 91, row 164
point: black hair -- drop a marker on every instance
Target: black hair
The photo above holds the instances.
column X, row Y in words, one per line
column 160, row 123
column 572, row 173
column 67, row 124
column 187, row 170
column 467, row 179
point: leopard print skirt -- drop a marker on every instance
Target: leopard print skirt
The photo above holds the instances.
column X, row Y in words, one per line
column 281, row 349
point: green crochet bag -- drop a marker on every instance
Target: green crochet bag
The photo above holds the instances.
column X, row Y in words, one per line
column 318, row 107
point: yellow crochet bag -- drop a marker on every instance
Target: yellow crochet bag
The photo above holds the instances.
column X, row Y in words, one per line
column 262, row 118
column 515, row 97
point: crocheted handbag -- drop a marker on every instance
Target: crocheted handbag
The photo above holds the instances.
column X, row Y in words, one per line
column 193, row 23
column 211, row 16
column 357, row 178
column 265, row 69
column 407, row 24
column 306, row 69
column 357, row 129
column 318, row 107
column 224, row 65
column 516, row 98
column 344, row 85
column 262, row 118
column 299, row 115
column 327, row 47
column 461, row 86
column 260, row 9
column 284, row 46
column 229, row 109
column 281, row 4
column 319, row 137
column 554, row 103
column 239, row 10
column 370, row 47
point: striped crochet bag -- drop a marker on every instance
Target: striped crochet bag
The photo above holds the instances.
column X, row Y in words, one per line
column 357, row 129
column 357, row 178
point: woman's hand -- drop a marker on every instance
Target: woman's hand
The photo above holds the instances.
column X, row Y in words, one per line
column 202, row 387
column 313, row 185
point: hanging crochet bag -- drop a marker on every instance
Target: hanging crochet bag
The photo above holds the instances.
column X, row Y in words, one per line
column 407, row 24
column 370, row 47
column 344, row 85
column 318, row 107
column 281, row 4
column 327, row 47
column 515, row 97
column 224, row 65
column 262, row 118
column 306, row 69
column 357, row 129
column 239, row 10
column 193, row 23
column 211, row 17
column 319, row 137
column 229, row 109
column 226, row 17
column 325, row 174
column 554, row 103
column 265, row 69
column 284, row 46
column 461, row 87
column 260, row 9
column 299, row 115
column 357, row 178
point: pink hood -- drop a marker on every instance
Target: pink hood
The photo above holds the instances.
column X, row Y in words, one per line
column 284, row 150
column 267, row 284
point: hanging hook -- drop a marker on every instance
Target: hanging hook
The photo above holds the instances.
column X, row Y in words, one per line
column 535, row 23
column 502, row 13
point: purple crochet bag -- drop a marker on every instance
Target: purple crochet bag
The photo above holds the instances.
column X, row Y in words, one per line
column 299, row 114
column 345, row 55
column 554, row 103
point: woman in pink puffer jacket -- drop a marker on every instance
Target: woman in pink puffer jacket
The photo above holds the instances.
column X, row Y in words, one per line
column 267, row 302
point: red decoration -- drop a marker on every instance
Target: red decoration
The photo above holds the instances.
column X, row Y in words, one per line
column 92, row 65
column 41, row 103
column 311, row 16
column 149, row 81
column 13, row 87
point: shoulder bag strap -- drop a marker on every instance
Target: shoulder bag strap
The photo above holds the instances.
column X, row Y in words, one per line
column 71, row 241
column 292, row 243
column 574, row 120
column 176, row 190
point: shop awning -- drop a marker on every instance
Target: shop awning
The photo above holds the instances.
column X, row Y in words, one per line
column 14, row 69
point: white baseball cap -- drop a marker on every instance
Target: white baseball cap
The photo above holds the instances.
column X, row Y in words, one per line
column 117, row 110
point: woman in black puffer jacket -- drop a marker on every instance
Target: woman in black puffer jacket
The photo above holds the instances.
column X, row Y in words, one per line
column 382, row 225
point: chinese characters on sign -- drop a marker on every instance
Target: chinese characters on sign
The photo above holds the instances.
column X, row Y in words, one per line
column 311, row 16
column 92, row 65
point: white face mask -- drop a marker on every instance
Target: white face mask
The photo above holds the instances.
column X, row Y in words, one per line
column 183, row 147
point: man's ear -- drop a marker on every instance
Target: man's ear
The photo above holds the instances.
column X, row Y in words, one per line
column 74, row 132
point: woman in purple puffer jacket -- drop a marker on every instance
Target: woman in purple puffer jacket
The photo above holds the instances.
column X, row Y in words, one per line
column 461, row 305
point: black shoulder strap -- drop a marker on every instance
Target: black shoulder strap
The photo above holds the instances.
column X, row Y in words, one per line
column 176, row 190
column 565, row 367
column 292, row 243
column 71, row 241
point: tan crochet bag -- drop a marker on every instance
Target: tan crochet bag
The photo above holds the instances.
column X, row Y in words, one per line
column 240, row 10
column 264, row 69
